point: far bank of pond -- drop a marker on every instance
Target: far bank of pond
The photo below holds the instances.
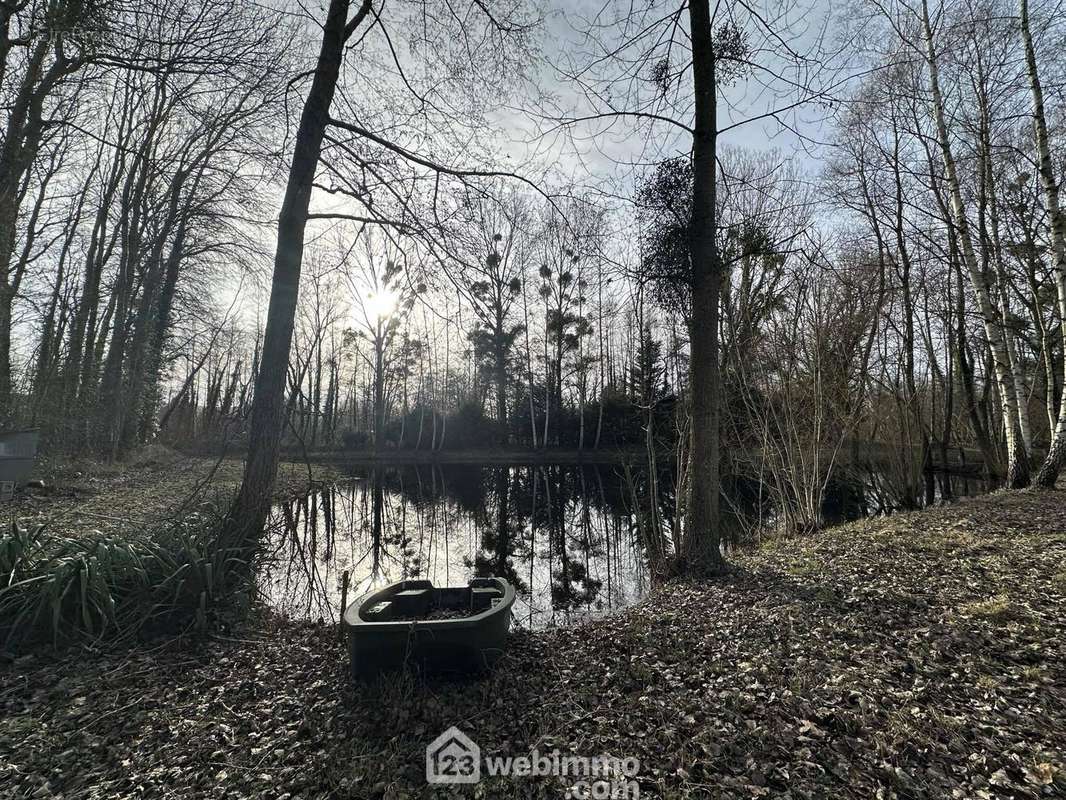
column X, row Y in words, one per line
column 852, row 454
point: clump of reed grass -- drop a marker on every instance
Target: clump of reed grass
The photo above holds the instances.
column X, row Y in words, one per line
column 63, row 588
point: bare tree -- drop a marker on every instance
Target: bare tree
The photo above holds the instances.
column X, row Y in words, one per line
column 364, row 149
column 1049, row 471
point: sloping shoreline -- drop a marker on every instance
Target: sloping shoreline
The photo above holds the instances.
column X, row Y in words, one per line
column 130, row 496
column 919, row 655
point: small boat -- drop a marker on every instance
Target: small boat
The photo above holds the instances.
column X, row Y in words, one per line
column 412, row 623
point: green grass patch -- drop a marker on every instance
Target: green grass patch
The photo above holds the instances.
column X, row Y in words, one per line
column 996, row 609
column 804, row 568
column 61, row 588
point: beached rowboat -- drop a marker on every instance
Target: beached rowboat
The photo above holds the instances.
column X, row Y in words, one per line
column 412, row 623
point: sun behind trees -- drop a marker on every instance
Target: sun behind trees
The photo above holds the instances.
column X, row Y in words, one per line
column 877, row 289
column 580, row 399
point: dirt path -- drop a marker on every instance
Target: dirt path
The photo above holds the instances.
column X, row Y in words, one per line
column 919, row 656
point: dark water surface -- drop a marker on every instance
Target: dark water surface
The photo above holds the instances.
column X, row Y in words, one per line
column 567, row 537
column 562, row 535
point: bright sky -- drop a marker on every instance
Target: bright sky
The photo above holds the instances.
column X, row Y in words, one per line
column 608, row 156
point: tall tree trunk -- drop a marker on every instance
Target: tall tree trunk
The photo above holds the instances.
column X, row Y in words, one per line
column 912, row 400
column 250, row 510
column 529, row 369
column 992, row 260
column 1049, row 471
column 81, row 327
column 499, row 338
column 52, row 333
column 144, row 394
column 21, row 141
column 316, row 391
column 501, row 400
column 379, row 389
column 1017, row 458
column 701, row 548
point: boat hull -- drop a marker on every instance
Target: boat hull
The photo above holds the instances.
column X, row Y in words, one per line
column 387, row 629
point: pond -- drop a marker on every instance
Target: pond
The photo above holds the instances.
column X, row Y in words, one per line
column 562, row 535
column 567, row 537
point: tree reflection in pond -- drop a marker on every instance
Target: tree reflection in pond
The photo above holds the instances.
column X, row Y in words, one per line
column 562, row 535
column 565, row 536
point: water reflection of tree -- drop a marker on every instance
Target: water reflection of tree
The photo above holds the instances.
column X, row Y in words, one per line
column 559, row 534
column 299, row 575
column 568, row 538
column 501, row 540
column 571, row 584
column 544, row 513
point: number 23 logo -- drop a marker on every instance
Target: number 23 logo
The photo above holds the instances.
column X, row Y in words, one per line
column 457, row 765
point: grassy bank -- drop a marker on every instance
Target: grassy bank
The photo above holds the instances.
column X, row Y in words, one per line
column 916, row 656
column 136, row 494
column 102, row 553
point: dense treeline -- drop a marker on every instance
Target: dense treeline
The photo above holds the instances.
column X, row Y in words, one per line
column 908, row 290
column 945, row 165
column 136, row 136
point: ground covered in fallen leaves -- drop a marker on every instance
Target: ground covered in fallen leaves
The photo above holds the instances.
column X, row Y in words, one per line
column 916, row 656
